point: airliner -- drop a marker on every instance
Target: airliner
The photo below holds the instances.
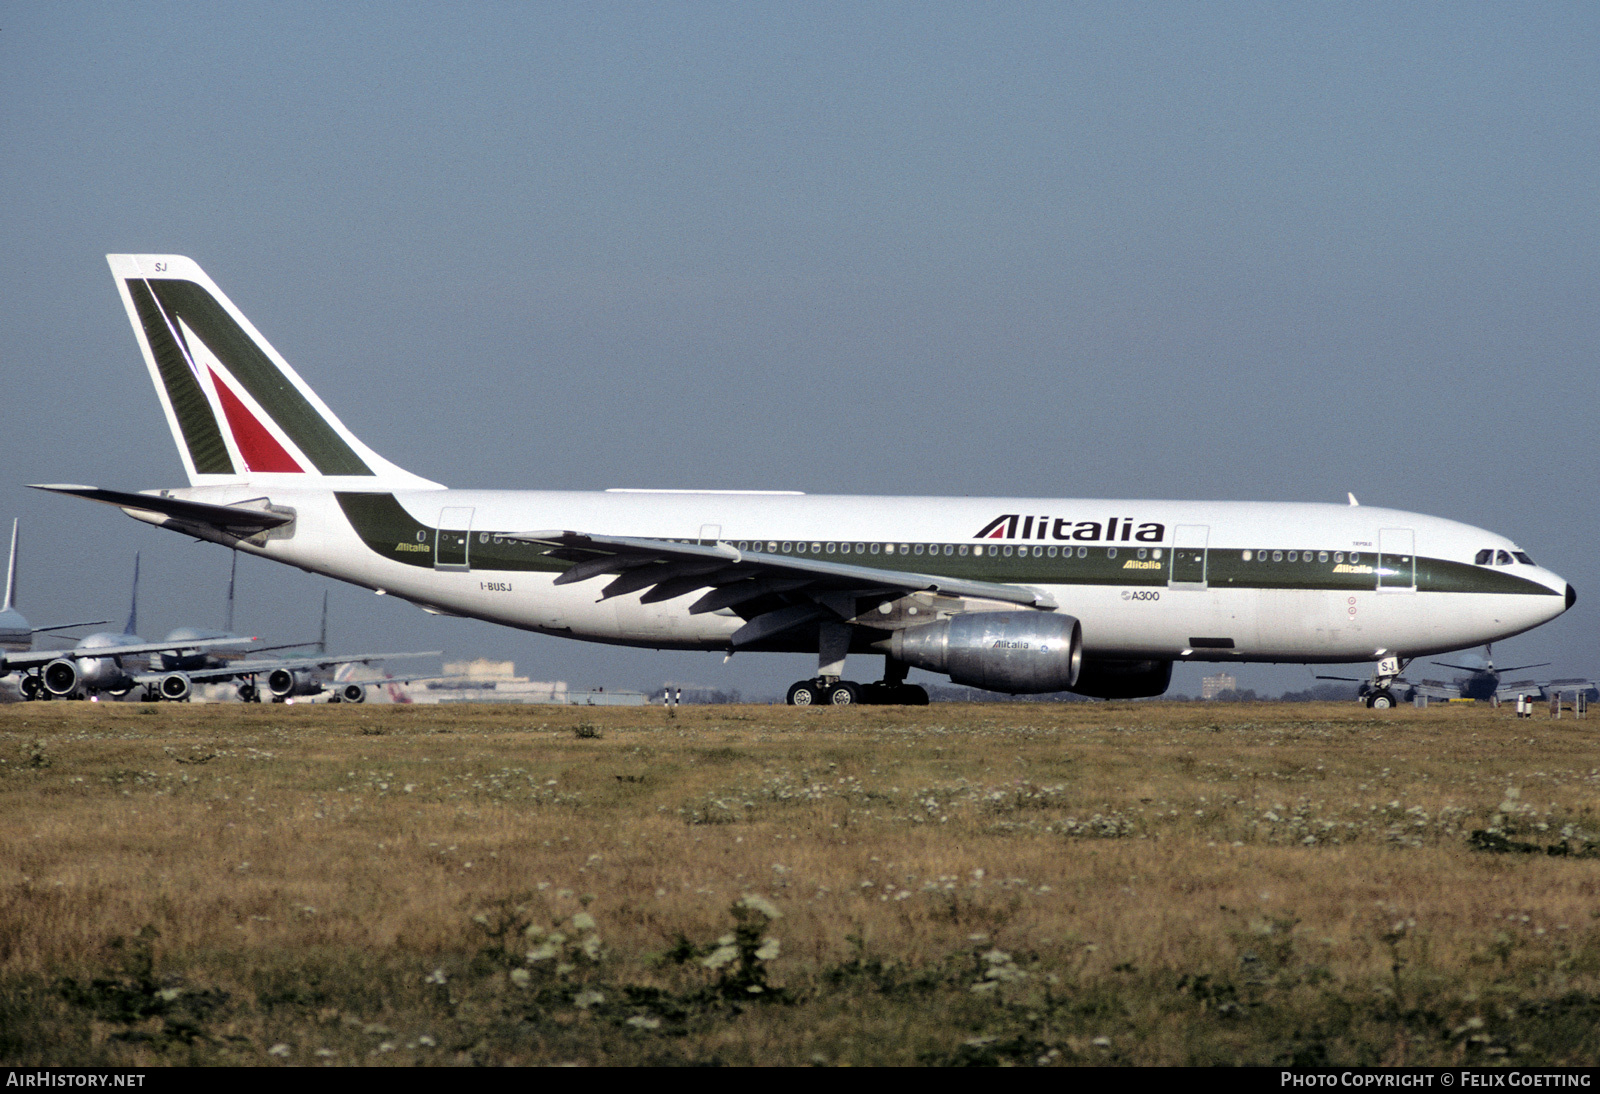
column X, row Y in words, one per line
column 1017, row 595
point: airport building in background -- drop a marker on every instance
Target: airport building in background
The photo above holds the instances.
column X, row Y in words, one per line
column 1213, row 686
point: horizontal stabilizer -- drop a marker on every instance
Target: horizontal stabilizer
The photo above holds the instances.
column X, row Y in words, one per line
column 242, row 519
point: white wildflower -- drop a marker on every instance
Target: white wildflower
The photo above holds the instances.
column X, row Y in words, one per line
column 720, row 956
column 760, row 904
column 770, row 948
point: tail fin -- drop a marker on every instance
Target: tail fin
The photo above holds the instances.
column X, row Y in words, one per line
column 237, row 411
column 11, row 571
column 133, row 608
column 233, row 572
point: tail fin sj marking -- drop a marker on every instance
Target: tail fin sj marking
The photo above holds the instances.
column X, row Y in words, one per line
column 237, row 411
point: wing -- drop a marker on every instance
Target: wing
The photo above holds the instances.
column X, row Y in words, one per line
column 34, row 658
column 255, row 666
column 772, row 592
column 1542, row 689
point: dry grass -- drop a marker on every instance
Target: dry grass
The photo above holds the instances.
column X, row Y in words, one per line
column 1142, row 883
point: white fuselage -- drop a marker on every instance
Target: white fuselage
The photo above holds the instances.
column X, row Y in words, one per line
column 1235, row 597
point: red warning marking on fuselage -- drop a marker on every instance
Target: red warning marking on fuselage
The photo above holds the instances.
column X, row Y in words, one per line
column 260, row 449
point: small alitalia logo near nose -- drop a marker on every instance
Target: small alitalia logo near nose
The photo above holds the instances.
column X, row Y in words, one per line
column 1109, row 530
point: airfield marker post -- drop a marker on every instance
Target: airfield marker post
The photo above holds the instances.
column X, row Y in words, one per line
column 1555, row 704
column 1580, row 704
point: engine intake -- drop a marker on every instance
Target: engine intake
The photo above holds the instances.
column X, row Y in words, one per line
column 61, row 676
column 175, row 687
column 285, row 684
column 1016, row 652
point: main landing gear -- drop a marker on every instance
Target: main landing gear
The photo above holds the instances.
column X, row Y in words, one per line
column 844, row 693
column 826, row 689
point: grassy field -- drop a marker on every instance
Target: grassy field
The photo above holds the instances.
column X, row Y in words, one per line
column 1016, row 884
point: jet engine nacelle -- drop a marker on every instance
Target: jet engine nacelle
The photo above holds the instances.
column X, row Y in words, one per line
column 351, row 693
column 61, row 676
column 175, row 687
column 1018, row 652
column 1124, row 679
column 285, row 684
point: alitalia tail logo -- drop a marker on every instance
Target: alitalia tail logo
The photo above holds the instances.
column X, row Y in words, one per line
column 1111, row 530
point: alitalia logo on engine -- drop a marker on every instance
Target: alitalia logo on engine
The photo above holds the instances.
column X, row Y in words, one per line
column 1111, row 530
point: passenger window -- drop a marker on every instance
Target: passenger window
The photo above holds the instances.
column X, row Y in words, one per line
column 1142, row 552
column 919, row 549
column 830, row 548
column 861, row 548
column 1006, row 552
column 787, row 547
column 1111, row 552
column 1083, row 552
column 1322, row 556
column 772, row 548
column 1051, row 552
column 1277, row 556
column 744, row 545
column 963, row 551
column 1247, row 556
column 874, row 548
column 1338, row 556
column 1355, row 557
column 949, row 550
column 1157, row 554
column 1292, row 556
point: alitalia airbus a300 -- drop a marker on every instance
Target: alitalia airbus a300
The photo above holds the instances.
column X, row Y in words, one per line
column 1019, row 595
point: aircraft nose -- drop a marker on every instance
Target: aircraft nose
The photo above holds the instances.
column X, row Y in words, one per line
column 1572, row 596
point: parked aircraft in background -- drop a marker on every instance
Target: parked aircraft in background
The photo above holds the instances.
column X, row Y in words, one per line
column 16, row 633
column 1484, row 682
column 278, row 679
column 109, row 664
column 285, row 679
column 1007, row 594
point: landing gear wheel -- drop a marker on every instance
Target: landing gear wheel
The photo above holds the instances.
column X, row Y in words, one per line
column 32, row 688
column 803, row 694
column 249, row 694
column 911, row 695
column 844, row 694
column 1382, row 699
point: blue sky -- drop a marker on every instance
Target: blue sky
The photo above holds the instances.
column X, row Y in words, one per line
column 1219, row 251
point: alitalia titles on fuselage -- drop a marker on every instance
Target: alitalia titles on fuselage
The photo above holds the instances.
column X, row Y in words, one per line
column 1112, row 530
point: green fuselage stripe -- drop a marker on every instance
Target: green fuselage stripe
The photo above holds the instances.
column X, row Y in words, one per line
column 385, row 526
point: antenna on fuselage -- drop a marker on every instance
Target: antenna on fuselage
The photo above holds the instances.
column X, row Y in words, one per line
column 133, row 608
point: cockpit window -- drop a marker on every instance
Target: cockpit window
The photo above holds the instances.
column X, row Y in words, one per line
column 1522, row 557
column 1485, row 556
column 1502, row 558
